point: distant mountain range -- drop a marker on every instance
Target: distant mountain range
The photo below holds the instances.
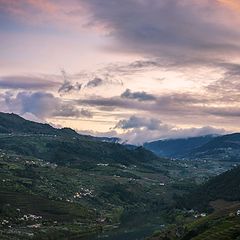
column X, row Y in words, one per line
column 223, row 148
column 177, row 147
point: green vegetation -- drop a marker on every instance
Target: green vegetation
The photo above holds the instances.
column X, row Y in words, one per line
column 223, row 224
column 219, row 197
column 56, row 184
column 225, row 186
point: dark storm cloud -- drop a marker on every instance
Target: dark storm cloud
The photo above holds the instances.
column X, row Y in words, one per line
column 140, row 96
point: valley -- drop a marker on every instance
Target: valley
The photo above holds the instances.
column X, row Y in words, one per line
column 57, row 184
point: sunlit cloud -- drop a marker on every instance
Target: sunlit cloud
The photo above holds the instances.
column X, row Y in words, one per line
column 233, row 4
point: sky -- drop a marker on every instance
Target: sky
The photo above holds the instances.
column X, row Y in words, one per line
column 139, row 70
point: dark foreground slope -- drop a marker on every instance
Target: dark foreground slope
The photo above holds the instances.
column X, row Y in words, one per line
column 220, row 197
column 225, row 186
column 223, row 224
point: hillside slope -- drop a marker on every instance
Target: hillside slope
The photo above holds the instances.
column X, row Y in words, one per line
column 223, row 148
column 11, row 123
column 220, row 197
column 63, row 146
column 177, row 147
column 224, row 186
column 223, row 224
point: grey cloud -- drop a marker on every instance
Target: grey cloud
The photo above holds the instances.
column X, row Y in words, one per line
column 26, row 82
column 42, row 105
column 195, row 107
column 68, row 87
column 172, row 28
column 94, row 83
column 141, row 96
column 137, row 66
column 86, row 113
column 139, row 122
column 88, row 80
column 232, row 69
column 167, row 102
column 224, row 111
column 228, row 85
column 108, row 103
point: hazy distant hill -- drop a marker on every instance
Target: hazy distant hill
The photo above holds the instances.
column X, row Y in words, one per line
column 177, row 147
column 230, row 141
column 223, row 148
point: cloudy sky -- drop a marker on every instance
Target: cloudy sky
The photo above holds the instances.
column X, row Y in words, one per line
column 137, row 69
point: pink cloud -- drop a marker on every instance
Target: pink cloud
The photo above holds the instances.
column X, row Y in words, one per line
column 45, row 12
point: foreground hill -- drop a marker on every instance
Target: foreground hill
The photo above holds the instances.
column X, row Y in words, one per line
column 225, row 186
column 223, row 224
column 63, row 146
column 11, row 123
column 220, row 197
column 177, row 147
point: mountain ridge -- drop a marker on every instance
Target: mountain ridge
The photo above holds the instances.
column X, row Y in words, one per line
column 177, row 147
